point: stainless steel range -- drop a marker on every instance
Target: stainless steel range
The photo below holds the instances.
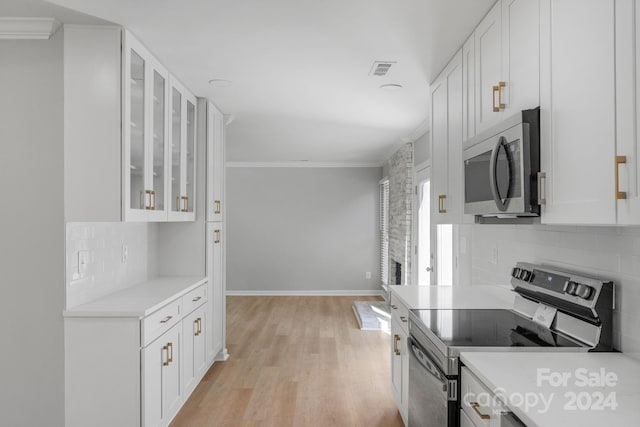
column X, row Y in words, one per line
column 554, row 310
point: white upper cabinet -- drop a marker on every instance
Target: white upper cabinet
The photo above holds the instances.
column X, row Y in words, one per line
column 520, row 55
column 468, row 89
column 488, row 56
column 215, row 132
column 627, row 111
column 145, row 89
column 507, row 65
column 182, row 157
column 578, row 111
column 446, row 143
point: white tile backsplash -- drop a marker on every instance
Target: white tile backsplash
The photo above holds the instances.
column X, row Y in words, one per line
column 105, row 271
column 608, row 252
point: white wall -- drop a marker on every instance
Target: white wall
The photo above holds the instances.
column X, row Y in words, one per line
column 422, row 149
column 32, row 230
column 302, row 229
column 607, row 252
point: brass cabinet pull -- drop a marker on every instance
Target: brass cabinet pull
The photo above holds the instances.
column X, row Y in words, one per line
column 482, row 416
column 148, row 201
column 196, row 299
column 493, row 99
column 541, row 176
column 501, row 106
column 166, row 319
column 217, row 238
column 218, row 208
column 441, row 203
column 395, row 307
column 620, row 160
column 198, row 330
column 199, row 325
column 185, row 205
column 166, row 348
column 152, row 200
column 396, row 338
column 404, row 319
column 169, row 353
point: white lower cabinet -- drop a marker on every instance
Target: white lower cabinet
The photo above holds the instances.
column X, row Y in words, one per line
column 400, row 357
column 465, row 421
column 137, row 366
column 215, row 273
column 162, row 392
column 194, row 355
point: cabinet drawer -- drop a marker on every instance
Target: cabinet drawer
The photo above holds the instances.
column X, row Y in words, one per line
column 400, row 313
column 478, row 402
column 161, row 321
column 194, row 299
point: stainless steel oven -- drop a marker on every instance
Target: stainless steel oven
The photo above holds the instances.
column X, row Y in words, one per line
column 502, row 168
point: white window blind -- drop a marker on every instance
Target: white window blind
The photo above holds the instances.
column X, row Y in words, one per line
column 384, row 231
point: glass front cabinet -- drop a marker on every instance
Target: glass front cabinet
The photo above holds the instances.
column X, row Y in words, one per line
column 158, row 140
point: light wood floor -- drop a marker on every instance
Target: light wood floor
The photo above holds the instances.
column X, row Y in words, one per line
column 296, row 361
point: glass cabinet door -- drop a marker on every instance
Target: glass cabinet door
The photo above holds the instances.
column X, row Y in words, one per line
column 138, row 197
column 176, row 150
column 190, row 158
column 159, row 141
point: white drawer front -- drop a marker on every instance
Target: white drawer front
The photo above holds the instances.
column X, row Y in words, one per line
column 478, row 402
column 400, row 313
column 194, row 299
column 160, row 321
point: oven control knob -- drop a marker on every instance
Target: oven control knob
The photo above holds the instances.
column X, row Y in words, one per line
column 515, row 273
column 583, row 291
column 571, row 288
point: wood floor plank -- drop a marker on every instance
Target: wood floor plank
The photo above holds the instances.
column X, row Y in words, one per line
column 295, row 362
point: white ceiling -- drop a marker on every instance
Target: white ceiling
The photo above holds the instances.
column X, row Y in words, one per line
column 301, row 89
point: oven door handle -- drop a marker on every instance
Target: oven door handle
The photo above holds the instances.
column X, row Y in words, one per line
column 493, row 174
column 427, row 363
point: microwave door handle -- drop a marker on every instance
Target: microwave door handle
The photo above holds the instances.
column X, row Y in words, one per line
column 493, row 175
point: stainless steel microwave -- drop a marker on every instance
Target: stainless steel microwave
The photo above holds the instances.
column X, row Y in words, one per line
column 502, row 168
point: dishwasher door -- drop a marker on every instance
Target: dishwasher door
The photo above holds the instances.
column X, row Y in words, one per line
column 432, row 396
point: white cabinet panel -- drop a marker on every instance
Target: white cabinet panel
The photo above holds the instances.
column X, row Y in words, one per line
column 215, row 162
column 578, row 111
column 215, row 274
column 488, row 56
column 194, row 351
column 468, row 89
column 520, row 55
column 446, row 143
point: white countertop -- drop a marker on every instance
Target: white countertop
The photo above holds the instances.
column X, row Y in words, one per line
column 454, row 297
column 139, row 300
column 517, row 375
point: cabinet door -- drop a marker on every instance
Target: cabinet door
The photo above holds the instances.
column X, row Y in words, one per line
column 194, row 352
column 144, row 134
column 488, row 56
column 465, row 421
column 182, row 158
column 162, row 394
column 446, row 143
column 577, row 82
column 468, row 89
column 520, row 55
column 215, row 163
column 396, row 363
column 215, row 274
column 627, row 109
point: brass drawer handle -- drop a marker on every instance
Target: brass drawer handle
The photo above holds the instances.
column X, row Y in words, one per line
column 218, row 208
column 404, row 319
column 166, row 319
column 475, row 406
column 395, row 307
column 396, row 338
column 196, row 299
column 217, row 238
column 198, row 323
column 442, row 208
column 620, row 160
column 170, row 352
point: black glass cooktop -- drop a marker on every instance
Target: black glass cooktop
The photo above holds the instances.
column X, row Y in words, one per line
column 488, row 328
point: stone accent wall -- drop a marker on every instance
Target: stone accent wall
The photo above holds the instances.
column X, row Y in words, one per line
column 400, row 169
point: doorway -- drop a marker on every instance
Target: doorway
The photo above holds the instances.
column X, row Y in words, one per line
column 423, row 236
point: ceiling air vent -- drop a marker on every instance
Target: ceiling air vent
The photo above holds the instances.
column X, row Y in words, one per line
column 381, row 68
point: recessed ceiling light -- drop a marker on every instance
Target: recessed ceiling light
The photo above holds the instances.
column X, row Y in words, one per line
column 220, row 83
column 391, row 87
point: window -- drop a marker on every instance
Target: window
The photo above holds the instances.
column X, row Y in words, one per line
column 384, row 231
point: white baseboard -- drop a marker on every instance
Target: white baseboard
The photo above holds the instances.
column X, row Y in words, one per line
column 335, row 293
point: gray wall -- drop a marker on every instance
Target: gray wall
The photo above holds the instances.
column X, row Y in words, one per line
column 302, row 229
column 32, row 229
column 422, row 149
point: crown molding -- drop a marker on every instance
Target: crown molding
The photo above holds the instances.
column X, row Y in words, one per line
column 301, row 164
column 28, row 28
